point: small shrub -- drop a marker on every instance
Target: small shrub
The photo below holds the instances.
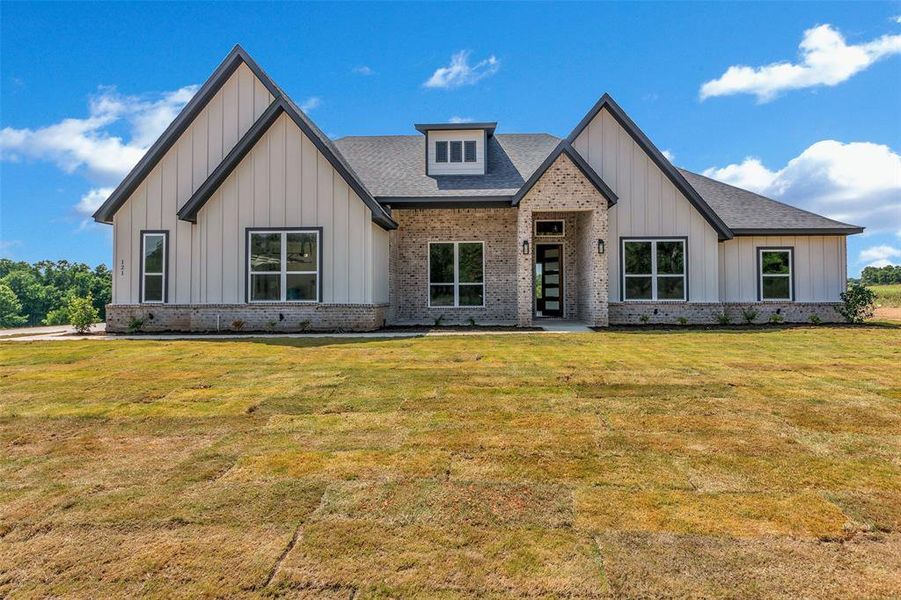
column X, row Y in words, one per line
column 304, row 325
column 776, row 318
column 814, row 319
column 238, row 324
column 682, row 320
column 82, row 313
column 270, row 325
column 135, row 324
column 857, row 303
column 723, row 319
column 749, row 314
column 644, row 319
column 438, row 320
column 472, row 322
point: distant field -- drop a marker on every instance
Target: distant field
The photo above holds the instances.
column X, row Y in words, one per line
column 887, row 295
column 622, row 464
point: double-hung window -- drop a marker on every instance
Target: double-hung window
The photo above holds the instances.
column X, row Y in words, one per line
column 456, row 274
column 154, row 265
column 284, row 266
column 775, row 266
column 654, row 270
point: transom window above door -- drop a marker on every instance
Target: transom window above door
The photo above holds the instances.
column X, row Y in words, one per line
column 284, row 265
column 654, row 269
column 550, row 228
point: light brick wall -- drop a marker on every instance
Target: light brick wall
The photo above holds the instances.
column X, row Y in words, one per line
column 563, row 188
column 409, row 247
column 707, row 313
column 256, row 317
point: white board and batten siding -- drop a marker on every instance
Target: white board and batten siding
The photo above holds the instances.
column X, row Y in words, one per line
column 649, row 205
column 819, row 263
column 285, row 181
column 184, row 167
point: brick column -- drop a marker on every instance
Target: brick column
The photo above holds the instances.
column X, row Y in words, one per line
column 525, row 286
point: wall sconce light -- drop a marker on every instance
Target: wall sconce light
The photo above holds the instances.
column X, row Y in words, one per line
column 600, row 246
column 525, row 246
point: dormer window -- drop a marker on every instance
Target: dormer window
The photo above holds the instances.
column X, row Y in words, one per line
column 457, row 148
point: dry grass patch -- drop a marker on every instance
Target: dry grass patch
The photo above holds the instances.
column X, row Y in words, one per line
column 640, row 463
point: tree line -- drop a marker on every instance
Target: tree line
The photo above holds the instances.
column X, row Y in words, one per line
column 886, row 275
column 45, row 292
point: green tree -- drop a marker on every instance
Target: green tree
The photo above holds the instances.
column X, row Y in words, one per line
column 81, row 312
column 10, row 308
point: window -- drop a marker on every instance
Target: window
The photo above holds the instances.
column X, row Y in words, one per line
column 775, row 266
column 154, row 264
column 654, row 270
column 456, row 152
column 469, row 151
column 456, row 274
column 283, row 266
column 441, row 152
column 550, row 228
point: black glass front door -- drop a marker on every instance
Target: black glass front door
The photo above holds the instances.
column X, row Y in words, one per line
column 549, row 280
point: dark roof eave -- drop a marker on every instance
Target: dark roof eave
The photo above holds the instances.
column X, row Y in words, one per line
column 849, row 230
column 399, row 202
column 489, row 126
column 151, row 158
column 606, row 101
column 280, row 105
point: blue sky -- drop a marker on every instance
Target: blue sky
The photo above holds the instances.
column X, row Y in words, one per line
column 85, row 87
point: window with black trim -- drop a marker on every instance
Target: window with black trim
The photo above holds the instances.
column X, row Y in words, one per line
column 441, row 152
column 456, row 152
column 469, row 151
column 654, row 269
column 456, row 274
column 550, row 228
column 775, row 266
column 283, row 266
column 154, row 266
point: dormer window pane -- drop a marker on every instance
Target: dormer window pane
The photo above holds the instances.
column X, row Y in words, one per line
column 456, row 152
column 441, row 152
column 469, row 154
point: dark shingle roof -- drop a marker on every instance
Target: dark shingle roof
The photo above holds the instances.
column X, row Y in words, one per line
column 394, row 165
column 745, row 212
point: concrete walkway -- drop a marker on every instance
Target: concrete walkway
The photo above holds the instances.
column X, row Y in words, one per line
column 65, row 332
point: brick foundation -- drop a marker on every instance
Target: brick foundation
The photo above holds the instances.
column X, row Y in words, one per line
column 255, row 317
column 707, row 313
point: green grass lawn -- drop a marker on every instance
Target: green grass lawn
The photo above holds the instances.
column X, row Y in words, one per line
column 887, row 295
column 637, row 463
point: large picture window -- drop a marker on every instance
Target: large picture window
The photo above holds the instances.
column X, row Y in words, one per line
column 775, row 266
column 654, row 270
column 154, row 263
column 283, row 266
column 456, row 274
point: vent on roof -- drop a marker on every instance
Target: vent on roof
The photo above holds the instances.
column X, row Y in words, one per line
column 456, row 148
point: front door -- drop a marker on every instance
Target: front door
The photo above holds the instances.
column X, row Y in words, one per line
column 549, row 280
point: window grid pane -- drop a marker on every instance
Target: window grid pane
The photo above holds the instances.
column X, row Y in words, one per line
column 441, row 152
column 284, row 266
column 654, row 270
column 456, row 152
column 456, row 274
column 469, row 151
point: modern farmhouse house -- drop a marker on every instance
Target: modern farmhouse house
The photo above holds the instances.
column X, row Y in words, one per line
column 244, row 215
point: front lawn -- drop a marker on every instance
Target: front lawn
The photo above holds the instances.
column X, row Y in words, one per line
column 617, row 464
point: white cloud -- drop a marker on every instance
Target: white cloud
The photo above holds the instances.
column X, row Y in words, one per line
column 311, row 103
column 459, row 72
column 363, row 70
column 92, row 200
column 858, row 182
column 6, row 247
column 670, row 156
column 95, row 146
column 897, row 19
column 825, row 59
column 89, row 143
column 456, row 119
column 879, row 256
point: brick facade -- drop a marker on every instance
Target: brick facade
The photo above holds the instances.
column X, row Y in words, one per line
column 409, row 247
column 707, row 313
column 289, row 317
column 564, row 189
